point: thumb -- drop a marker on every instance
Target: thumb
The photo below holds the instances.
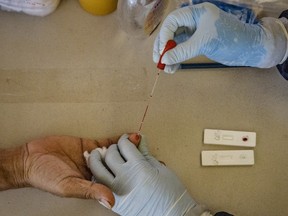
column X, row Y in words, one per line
column 143, row 148
column 184, row 51
column 85, row 189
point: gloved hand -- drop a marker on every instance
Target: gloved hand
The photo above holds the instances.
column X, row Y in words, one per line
column 31, row 7
column 221, row 37
column 141, row 185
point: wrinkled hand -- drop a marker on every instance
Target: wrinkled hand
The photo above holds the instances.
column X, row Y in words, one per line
column 57, row 165
column 141, row 184
column 222, row 37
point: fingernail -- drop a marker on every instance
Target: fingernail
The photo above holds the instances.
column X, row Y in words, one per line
column 105, row 203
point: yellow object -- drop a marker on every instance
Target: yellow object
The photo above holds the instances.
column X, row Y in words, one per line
column 99, row 7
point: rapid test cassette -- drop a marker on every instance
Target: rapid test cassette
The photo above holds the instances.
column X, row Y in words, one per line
column 228, row 158
column 230, row 138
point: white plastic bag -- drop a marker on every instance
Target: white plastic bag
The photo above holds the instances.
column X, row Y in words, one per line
column 30, row 7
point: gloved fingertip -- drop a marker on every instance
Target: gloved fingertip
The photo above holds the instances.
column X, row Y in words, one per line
column 102, row 152
column 171, row 69
column 168, row 70
column 166, row 59
column 124, row 136
column 156, row 59
column 86, row 156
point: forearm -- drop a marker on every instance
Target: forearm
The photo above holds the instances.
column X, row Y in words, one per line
column 12, row 168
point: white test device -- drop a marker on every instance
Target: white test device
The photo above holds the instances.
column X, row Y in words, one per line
column 227, row 158
column 230, row 138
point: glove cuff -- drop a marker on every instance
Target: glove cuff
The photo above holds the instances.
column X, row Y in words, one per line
column 283, row 66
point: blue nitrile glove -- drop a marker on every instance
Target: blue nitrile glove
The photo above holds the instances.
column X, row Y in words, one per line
column 221, row 37
column 141, row 185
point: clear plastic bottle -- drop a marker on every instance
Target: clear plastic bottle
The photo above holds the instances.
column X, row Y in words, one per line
column 140, row 18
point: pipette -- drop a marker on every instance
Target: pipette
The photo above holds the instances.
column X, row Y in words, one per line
column 170, row 45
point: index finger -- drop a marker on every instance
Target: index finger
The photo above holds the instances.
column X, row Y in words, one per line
column 129, row 150
column 89, row 144
column 182, row 17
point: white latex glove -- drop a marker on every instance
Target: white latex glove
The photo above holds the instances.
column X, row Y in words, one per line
column 221, row 37
column 141, row 185
column 30, row 7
